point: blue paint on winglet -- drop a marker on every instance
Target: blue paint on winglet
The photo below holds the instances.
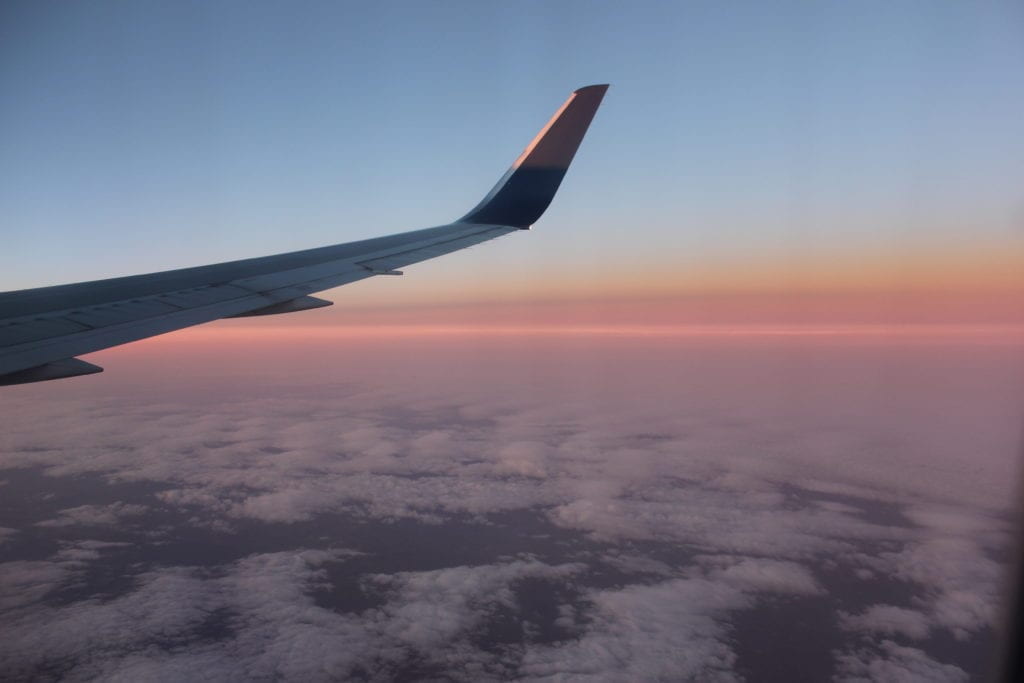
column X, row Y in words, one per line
column 525, row 191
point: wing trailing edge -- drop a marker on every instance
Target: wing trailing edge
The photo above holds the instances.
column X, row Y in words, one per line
column 302, row 303
column 58, row 369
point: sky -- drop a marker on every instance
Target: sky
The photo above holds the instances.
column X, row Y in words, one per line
column 860, row 151
column 758, row 364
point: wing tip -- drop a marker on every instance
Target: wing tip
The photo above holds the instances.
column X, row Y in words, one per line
column 525, row 191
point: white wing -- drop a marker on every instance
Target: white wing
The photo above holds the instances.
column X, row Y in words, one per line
column 42, row 330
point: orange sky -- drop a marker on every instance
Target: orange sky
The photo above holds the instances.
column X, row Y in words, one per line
column 971, row 285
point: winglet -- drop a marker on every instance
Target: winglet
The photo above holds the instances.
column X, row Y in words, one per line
column 525, row 191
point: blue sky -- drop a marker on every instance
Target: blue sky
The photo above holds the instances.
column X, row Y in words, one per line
column 140, row 136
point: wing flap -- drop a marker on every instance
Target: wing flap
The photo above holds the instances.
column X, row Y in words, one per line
column 60, row 369
column 302, row 303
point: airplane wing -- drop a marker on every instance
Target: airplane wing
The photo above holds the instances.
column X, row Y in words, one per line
column 43, row 330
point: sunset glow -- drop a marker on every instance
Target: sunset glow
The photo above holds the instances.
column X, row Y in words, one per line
column 301, row 334
column 743, row 404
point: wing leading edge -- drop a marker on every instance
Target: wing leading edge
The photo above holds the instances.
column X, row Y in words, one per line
column 42, row 330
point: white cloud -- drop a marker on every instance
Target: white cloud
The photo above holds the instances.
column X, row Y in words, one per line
column 961, row 584
column 895, row 663
column 764, row 576
column 274, row 627
column 429, row 608
column 25, row 583
column 638, row 564
column 94, row 515
column 888, row 620
column 670, row 631
column 524, row 458
column 165, row 604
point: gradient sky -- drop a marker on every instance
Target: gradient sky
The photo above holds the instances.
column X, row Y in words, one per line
column 847, row 149
column 759, row 364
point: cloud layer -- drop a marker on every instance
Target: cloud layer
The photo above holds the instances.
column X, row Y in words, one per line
column 571, row 520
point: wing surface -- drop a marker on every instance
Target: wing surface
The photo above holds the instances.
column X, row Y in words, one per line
column 43, row 330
